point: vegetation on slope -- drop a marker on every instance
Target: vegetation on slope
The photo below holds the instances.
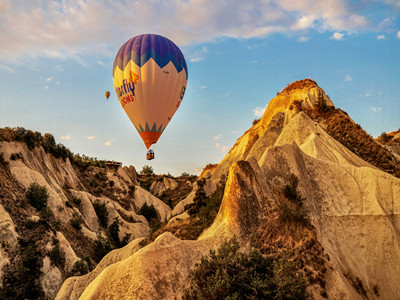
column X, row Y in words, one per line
column 343, row 129
column 230, row 274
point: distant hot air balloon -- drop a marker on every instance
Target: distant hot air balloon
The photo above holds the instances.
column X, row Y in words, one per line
column 107, row 94
column 150, row 77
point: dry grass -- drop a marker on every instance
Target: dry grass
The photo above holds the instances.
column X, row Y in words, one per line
column 343, row 129
column 300, row 84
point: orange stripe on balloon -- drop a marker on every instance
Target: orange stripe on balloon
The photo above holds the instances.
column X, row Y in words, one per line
column 150, row 137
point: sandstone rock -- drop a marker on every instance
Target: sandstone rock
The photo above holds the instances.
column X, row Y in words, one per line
column 51, row 280
column 7, row 227
column 65, row 247
column 74, row 286
column 142, row 196
column 86, row 208
column 157, row 188
column 178, row 219
column 131, row 172
column 158, row 271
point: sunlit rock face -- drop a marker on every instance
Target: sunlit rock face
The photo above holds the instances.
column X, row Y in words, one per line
column 353, row 207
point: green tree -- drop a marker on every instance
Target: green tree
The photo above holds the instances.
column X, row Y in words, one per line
column 37, row 196
column 147, row 170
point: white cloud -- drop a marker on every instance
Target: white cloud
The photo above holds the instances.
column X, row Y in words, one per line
column 348, row 78
column 67, row 137
column 398, row 34
column 221, row 148
column 198, row 55
column 235, row 132
column 91, row 137
column 49, row 78
column 259, row 111
column 375, row 109
column 70, row 29
column 337, row 36
column 109, row 143
column 303, row 39
column 217, row 137
column 365, row 95
column 380, row 37
column 203, row 87
column 7, row 68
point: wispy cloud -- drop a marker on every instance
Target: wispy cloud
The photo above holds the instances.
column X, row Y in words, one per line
column 67, row 137
column 109, row 143
column 380, row 37
column 221, row 148
column 376, row 109
column 72, row 28
column 217, row 137
column 259, row 111
column 337, row 36
column 91, row 137
column 303, row 39
column 348, row 78
column 365, row 95
column 198, row 55
column 203, row 87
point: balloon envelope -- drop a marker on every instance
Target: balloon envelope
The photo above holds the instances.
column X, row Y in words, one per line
column 150, row 77
column 107, row 94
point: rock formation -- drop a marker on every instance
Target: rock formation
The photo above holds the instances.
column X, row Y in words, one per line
column 352, row 205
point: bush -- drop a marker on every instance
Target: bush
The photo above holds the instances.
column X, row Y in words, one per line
column 229, row 274
column 102, row 212
column 16, row 156
column 101, row 247
column 321, row 105
column 148, row 211
column 76, row 221
column 37, row 196
column 147, row 170
column 22, row 280
column 76, row 201
column 79, row 268
column 291, row 209
column 132, row 189
column 57, row 257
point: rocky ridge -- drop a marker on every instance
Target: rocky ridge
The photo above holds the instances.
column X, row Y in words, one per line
column 353, row 208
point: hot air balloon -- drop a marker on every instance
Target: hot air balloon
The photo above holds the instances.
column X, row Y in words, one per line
column 150, row 77
column 107, row 94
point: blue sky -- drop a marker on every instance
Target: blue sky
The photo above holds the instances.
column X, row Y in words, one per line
column 56, row 61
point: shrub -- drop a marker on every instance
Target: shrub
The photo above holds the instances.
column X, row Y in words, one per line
column 385, row 137
column 132, row 189
column 101, row 247
column 102, row 212
column 199, row 200
column 291, row 209
column 320, row 105
column 148, row 211
column 79, row 268
column 147, row 170
column 21, row 279
column 76, row 201
column 37, row 196
column 76, row 221
column 229, row 274
column 57, row 257
column 113, row 231
column 16, row 156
